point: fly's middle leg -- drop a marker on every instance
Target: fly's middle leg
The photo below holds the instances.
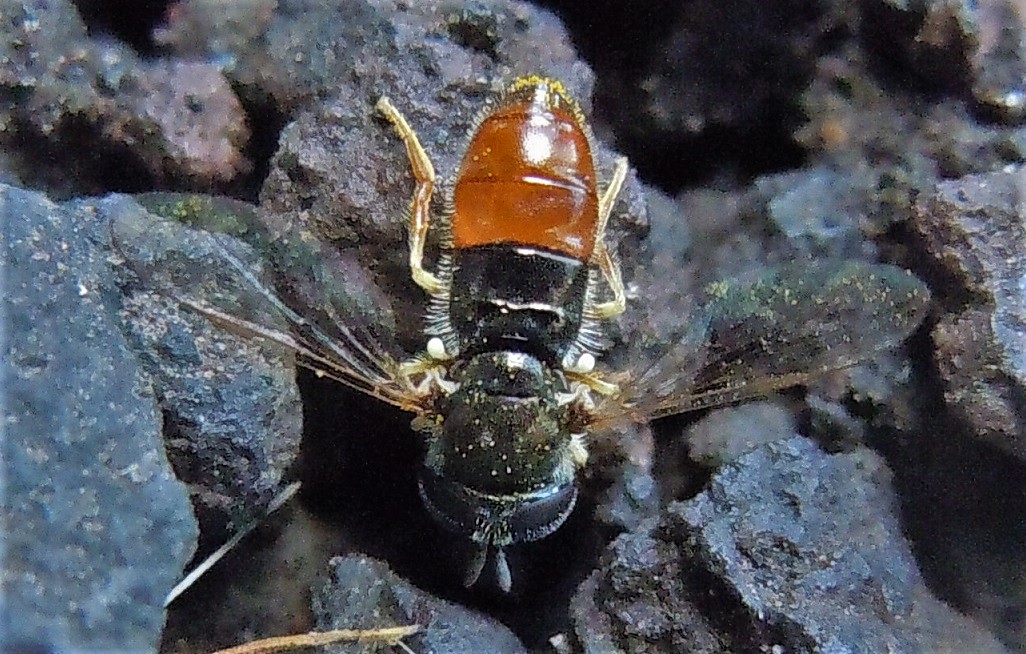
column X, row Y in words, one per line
column 420, row 211
column 431, row 373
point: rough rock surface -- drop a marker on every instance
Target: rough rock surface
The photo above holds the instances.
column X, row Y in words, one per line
column 362, row 593
column 91, row 116
column 232, row 412
column 788, row 549
column 96, row 529
column 975, row 230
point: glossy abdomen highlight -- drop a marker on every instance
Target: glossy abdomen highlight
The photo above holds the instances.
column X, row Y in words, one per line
column 528, row 178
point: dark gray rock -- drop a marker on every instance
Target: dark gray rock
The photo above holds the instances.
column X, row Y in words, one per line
column 96, row 530
column 231, row 407
column 92, row 116
column 638, row 602
column 726, row 434
column 361, row 593
column 890, row 146
column 300, row 51
column 974, row 49
column 819, row 210
column 974, row 230
column 999, row 61
column 788, row 548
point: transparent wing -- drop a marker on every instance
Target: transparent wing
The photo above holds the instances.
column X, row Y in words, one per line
column 747, row 339
column 250, row 273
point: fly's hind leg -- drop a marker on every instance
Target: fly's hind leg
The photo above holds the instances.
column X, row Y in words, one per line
column 607, row 264
column 609, row 196
column 420, row 211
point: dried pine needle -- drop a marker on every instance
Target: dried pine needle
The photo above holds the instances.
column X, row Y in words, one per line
column 387, row 635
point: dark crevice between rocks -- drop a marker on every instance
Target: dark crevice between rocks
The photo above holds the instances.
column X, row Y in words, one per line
column 678, row 477
column 359, row 464
column 76, row 160
column 675, row 163
column 225, row 601
column 953, row 488
column 624, row 43
column 964, row 490
column 900, row 58
column 616, row 35
column 130, row 21
column 266, row 120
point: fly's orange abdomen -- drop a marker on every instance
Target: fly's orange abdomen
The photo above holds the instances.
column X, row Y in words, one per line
column 528, row 177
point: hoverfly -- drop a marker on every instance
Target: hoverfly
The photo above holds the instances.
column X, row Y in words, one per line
column 507, row 388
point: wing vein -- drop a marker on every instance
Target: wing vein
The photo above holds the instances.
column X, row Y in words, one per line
column 381, row 373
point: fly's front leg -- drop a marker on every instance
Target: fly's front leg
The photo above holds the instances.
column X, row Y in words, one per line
column 606, row 263
column 420, row 211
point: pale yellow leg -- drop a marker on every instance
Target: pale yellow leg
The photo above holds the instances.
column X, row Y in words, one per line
column 610, row 269
column 433, row 379
column 609, row 196
column 420, row 213
column 594, row 382
column 611, row 272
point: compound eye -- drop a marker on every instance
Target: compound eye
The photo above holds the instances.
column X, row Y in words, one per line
column 451, row 504
column 497, row 520
column 543, row 513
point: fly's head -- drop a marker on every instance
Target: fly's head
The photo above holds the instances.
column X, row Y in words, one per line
column 500, row 468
